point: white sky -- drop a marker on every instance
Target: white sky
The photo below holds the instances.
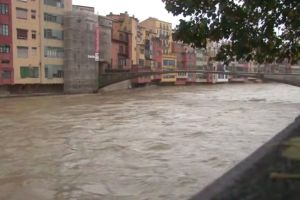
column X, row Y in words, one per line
column 141, row 9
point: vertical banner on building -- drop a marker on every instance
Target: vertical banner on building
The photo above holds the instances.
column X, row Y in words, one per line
column 97, row 49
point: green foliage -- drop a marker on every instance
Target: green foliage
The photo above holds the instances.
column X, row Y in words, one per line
column 264, row 31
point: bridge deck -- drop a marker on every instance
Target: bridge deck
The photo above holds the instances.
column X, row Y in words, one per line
column 109, row 78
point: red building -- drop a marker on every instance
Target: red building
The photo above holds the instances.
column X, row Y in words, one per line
column 157, row 52
column 123, row 34
column 186, row 60
column 6, row 54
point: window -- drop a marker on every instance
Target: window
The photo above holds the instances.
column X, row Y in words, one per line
column 53, row 34
column 54, row 71
column 29, row 72
column 4, row 29
column 22, row 52
column 33, row 14
column 22, row 34
column 168, row 76
column 121, row 49
column 55, row 3
column 3, row 9
column 4, row 48
column 34, row 51
column 159, row 64
column 142, row 50
column 6, row 75
column 21, row 13
column 169, row 62
column 54, row 52
column 53, row 18
column 33, row 34
column 141, row 62
column 5, row 61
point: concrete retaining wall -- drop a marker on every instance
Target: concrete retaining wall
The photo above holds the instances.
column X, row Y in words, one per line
column 251, row 178
column 288, row 79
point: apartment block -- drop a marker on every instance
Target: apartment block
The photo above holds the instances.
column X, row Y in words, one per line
column 26, row 34
column 124, row 35
column 145, row 60
column 163, row 31
column 52, row 39
column 6, row 53
column 157, row 56
column 169, row 64
column 178, row 48
column 105, row 47
column 201, row 64
column 33, row 41
column 83, row 8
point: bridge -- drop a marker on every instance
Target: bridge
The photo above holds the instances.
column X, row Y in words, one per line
column 111, row 77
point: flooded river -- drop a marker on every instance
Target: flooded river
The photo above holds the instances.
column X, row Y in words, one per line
column 154, row 143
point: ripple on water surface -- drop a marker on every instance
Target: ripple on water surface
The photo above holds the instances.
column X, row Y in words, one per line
column 158, row 143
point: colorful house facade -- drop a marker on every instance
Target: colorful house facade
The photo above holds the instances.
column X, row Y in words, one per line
column 6, row 53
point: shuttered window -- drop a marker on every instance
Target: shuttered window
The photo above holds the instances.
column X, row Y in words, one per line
column 6, row 75
column 22, row 34
column 21, row 13
column 24, row 71
column 29, row 72
column 22, row 52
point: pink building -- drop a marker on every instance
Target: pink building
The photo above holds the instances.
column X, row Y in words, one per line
column 186, row 60
column 157, row 58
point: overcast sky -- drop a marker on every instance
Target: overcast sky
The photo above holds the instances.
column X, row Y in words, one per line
column 142, row 9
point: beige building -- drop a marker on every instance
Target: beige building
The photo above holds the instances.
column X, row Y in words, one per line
column 52, row 40
column 163, row 31
column 38, row 36
column 144, row 47
column 26, row 41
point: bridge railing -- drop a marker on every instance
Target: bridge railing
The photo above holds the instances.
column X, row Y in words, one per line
column 140, row 69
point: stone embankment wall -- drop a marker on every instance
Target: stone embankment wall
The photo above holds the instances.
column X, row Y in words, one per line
column 288, row 79
column 272, row 172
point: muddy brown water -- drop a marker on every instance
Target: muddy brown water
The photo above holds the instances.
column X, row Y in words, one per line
column 153, row 143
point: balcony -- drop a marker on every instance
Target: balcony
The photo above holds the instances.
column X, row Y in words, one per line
column 123, row 54
column 122, row 37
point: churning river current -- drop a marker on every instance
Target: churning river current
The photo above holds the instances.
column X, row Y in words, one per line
column 150, row 143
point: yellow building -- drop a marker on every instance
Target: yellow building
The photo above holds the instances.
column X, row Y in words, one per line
column 140, row 45
column 169, row 64
column 38, row 46
column 144, row 47
column 163, row 30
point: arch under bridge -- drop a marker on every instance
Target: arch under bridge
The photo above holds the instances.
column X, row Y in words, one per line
column 112, row 77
